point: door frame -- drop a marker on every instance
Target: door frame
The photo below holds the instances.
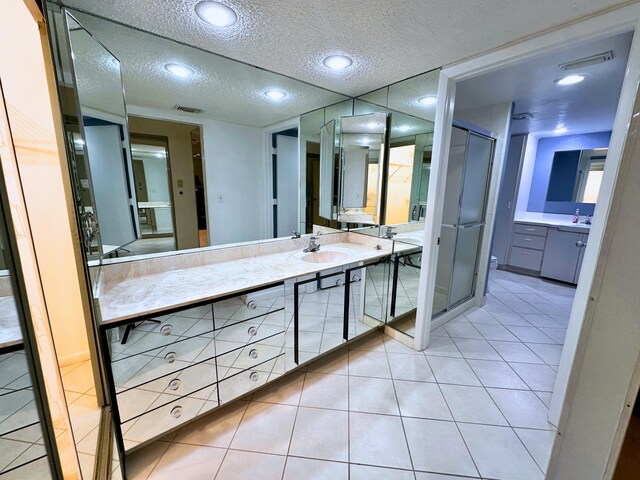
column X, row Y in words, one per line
column 609, row 23
column 267, row 171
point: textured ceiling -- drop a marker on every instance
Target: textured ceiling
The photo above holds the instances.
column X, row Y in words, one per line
column 225, row 89
column 589, row 106
column 388, row 40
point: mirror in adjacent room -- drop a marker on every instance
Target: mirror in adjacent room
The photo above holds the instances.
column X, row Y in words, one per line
column 102, row 156
column 576, row 175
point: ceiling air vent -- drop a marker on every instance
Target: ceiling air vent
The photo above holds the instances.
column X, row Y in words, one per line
column 521, row 116
column 182, row 108
column 585, row 62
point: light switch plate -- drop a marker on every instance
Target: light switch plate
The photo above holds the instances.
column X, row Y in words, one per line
column 180, row 183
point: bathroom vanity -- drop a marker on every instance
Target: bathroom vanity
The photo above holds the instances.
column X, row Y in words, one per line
column 184, row 334
column 549, row 249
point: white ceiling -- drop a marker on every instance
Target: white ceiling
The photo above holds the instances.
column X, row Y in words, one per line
column 388, row 40
column 589, row 106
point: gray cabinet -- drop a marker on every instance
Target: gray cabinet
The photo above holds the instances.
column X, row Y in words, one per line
column 527, row 246
column 563, row 255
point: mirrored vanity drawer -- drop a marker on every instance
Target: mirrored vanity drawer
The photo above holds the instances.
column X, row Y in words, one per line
column 526, row 258
column 197, row 381
column 248, row 306
column 250, row 331
column 164, row 418
column 240, row 382
column 137, row 369
column 250, row 356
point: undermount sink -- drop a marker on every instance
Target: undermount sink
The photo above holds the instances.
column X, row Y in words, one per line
column 324, row 256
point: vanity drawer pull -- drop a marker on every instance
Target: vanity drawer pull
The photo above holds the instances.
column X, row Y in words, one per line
column 530, row 229
column 527, row 239
column 355, row 278
column 253, row 353
column 253, row 331
column 254, row 377
column 166, row 329
column 339, row 282
column 171, row 357
column 252, row 305
column 176, row 412
column 174, row 384
column 525, row 253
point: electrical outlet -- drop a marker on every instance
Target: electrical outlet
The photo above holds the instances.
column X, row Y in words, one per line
column 180, row 183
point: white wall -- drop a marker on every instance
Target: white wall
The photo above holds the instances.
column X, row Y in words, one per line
column 233, row 163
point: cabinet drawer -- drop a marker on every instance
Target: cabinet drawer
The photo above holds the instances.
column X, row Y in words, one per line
column 250, row 331
column 528, row 241
column 530, row 229
column 526, row 258
column 253, row 355
column 197, row 381
column 247, row 306
column 244, row 381
column 134, row 370
column 160, row 420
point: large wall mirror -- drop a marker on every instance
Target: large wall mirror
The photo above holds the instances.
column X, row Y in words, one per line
column 576, row 176
column 200, row 151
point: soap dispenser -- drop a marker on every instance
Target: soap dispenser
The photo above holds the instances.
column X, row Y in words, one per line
column 576, row 216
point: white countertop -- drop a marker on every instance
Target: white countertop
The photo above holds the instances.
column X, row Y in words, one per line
column 141, row 294
column 550, row 220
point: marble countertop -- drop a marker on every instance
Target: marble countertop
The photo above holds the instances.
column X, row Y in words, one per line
column 153, row 292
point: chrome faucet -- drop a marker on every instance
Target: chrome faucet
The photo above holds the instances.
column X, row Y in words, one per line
column 313, row 246
column 390, row 233
column 295, row 234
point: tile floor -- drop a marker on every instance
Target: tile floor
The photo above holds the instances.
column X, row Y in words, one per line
column 84, row 412
column 473, row 405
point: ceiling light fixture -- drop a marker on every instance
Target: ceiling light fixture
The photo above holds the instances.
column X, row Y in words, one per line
column 178, row 70
column 337, row 62
column 429, row 100
column 587, row 61
column 570, row 80
column 216, row 14
column 404, row 128
column 372, row 125
column 275, row 94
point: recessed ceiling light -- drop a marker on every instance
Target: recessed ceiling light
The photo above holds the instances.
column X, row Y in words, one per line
column 216, row 13
column 560, row 130
column 337, row 62
column 372, row 125
column 275, row 94
column 570, row 80
column 404, row 128
column 178, row 70
column 429, row 100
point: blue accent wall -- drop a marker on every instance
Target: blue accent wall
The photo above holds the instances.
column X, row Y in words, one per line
column 542, row 170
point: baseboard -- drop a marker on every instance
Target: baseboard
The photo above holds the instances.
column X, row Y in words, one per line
column 451, row 314
column 77, row 357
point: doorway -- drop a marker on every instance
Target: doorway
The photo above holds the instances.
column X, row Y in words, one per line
column 285, row 167
column 201, row 197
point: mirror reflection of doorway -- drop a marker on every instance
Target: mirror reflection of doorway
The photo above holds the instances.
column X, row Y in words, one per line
column 152, row 178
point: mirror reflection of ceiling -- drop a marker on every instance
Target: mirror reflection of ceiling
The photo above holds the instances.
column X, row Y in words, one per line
column 588, row 106
column 367, row 124
column 388, row 40
column 225, row 89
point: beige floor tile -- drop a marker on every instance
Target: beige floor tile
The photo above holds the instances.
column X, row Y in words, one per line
column 141, row 462
column 265, row 428
column 188, row 461
column 422, row 400
column 308, row 469
column 410, row 367
column 285, row 391
column 472, row 404
column 369, row 364
column 378, row 440
column 325, row 391
column 321, row 434
column 215, row 430
column 372, row 395
column 239, row 465
column 366, row 472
